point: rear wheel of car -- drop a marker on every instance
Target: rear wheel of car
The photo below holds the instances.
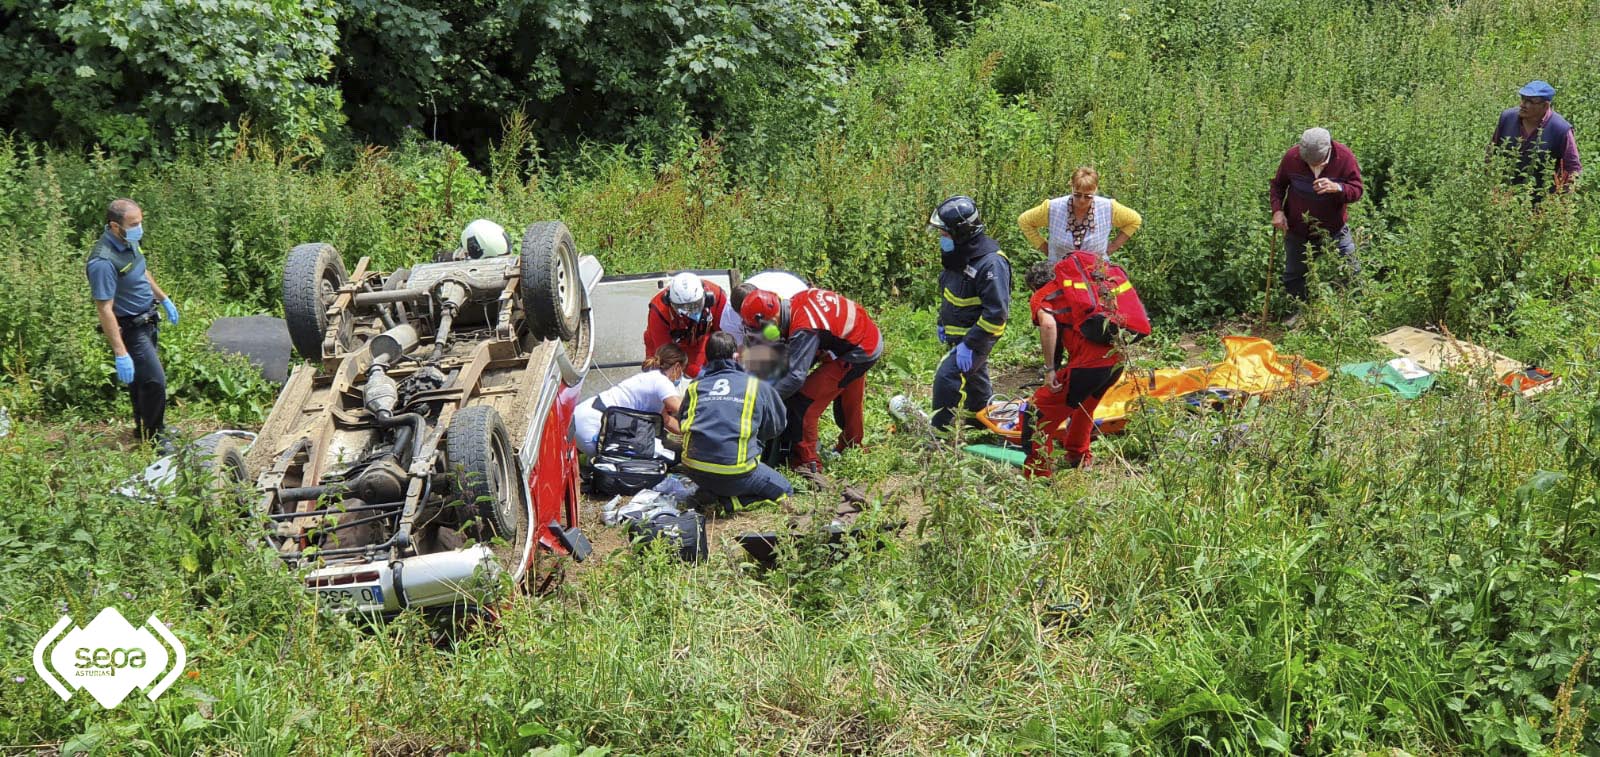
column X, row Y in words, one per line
column 483, row 473
column 312, row 277
column 222, row 458
column 551, row 296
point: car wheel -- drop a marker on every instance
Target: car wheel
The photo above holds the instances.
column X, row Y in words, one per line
column 551, row 296
column 221, row 457
column 483, row 473
column 312, row 278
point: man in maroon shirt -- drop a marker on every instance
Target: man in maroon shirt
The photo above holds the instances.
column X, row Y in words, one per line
column 1315, row 181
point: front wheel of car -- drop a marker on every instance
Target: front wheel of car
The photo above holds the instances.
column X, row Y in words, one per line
column 483, row 473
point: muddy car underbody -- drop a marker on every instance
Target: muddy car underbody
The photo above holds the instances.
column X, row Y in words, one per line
column 422, row 457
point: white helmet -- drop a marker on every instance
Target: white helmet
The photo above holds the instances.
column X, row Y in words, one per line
column 485, row 238
column 686, row 294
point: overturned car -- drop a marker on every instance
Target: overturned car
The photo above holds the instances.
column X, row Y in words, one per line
column 421, row 458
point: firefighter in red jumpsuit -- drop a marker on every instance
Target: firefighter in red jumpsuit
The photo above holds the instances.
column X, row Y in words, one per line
column 1080, row 308
column 815, row 321
column 686, row 313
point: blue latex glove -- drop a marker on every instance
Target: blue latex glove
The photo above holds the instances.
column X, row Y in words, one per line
column 125, row 369
column 963, row 357
column 941, row 335
column 172, row 311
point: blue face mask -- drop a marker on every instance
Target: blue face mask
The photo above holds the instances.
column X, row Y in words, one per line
column 133, row 234
column 947, row 244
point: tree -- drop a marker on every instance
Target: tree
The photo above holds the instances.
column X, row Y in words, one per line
column 142, row 75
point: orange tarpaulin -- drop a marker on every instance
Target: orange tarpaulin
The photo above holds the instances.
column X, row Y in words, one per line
column 1252, row 366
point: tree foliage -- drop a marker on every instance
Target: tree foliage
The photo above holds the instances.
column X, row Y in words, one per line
column 580, row 68
column 139, row 75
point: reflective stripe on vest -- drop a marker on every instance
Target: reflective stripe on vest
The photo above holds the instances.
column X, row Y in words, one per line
column 961, row 302
column 742, row 462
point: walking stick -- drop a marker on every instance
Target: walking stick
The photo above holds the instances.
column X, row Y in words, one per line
column 1272, row 257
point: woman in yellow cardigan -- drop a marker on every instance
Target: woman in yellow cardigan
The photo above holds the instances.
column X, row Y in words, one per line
column 1082, row 220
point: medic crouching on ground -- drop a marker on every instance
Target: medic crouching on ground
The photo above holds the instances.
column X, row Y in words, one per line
column 812, row 321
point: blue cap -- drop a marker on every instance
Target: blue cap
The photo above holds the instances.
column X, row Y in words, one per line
column 1538, row 88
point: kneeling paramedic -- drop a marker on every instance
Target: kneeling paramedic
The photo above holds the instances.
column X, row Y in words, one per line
column 727, row 416
column 976, row 286
column 1082, row 306
column 817, row 320
column 686, row 313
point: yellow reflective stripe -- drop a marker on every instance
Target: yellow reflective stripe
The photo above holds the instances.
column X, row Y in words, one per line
column 744, row 419
column 961, row 302
column 688, row 413
column 955, row 330
column 1069, row 284
column 727, row 470
column 994, row 328
column 1123, row 287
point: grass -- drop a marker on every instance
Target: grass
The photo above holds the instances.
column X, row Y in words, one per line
column 1354, row 573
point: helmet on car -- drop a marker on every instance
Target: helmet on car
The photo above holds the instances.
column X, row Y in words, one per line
column 686, row 294
column 958, row 217
column 485, row 238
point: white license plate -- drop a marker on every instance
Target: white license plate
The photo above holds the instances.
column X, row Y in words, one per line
column 350, row 597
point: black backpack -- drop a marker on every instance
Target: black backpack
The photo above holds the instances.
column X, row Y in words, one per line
column 625, row 459
column 686, row 532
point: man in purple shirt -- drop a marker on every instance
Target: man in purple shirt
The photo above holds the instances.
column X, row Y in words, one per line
column 1316, row 179
column 1537, row 136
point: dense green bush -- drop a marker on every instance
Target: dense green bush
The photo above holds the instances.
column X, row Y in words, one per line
column 137, row 77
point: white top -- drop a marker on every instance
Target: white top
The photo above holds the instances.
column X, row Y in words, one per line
column 1061, row 243
column 646, row 392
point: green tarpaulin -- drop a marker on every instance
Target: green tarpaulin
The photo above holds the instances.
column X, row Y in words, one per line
column 1403, row 376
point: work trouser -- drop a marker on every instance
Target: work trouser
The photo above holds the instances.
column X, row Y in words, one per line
column 952, row 388
column 148, row 392
column 760, row 485
column 835, row 381
column 1064, row 418
column 1296, row 261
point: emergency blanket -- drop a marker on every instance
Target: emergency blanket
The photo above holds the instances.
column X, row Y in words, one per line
column 1402, row 375
column 1252, row 367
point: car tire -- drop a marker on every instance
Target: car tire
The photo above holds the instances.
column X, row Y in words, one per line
column 483, row 472
column 221, row 457
column 312, row 277
column 552, row 298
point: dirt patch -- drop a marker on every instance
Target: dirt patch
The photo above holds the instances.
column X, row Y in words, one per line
column 1018, row 383
column 896, row 495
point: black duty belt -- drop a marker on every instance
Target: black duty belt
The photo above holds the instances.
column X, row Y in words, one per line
column 150, row 318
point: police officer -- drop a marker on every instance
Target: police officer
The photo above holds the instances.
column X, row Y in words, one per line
column 727, row 417
column 125, row 298
column 975, row 285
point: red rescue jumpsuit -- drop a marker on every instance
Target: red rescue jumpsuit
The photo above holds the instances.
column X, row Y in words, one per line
column 665, row 324
column 820, row 320
column 1064, row 413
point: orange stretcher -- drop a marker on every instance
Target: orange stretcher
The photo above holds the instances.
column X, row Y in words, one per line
column 1252, row 367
